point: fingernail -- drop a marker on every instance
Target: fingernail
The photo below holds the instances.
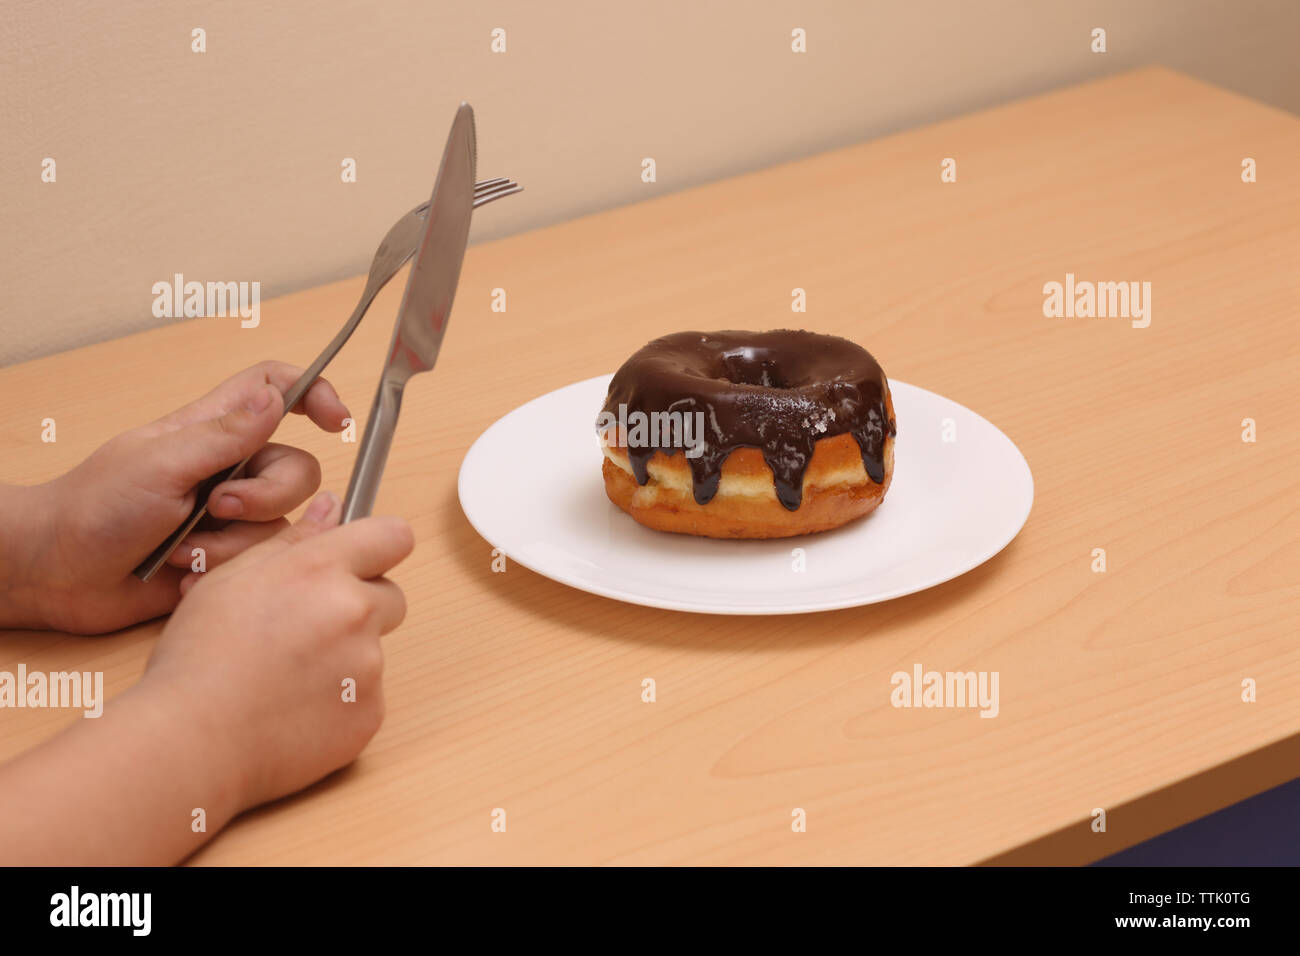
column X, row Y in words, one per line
column 228, row 506
column 321, row 506
column 261, row 398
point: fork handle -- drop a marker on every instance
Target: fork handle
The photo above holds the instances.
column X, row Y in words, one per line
column 372, row 454
column 158, row 557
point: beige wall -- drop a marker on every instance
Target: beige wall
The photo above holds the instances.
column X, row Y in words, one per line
column 225, row 165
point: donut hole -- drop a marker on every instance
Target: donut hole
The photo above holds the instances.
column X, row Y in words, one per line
column 751, row 365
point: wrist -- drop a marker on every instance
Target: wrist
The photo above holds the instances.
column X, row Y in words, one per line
column 201, row 741
column 120, row 789
column 26, row 516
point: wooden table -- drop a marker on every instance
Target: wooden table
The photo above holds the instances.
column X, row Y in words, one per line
column 1120, row 690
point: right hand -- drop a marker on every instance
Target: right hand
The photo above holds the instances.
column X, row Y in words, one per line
column 256, row 655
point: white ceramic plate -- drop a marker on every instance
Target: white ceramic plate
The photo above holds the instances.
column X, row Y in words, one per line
column 531, row 485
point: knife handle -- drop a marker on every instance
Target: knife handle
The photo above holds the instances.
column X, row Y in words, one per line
column 372, row 454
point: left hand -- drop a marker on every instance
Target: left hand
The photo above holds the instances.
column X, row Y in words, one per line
column 91, row 527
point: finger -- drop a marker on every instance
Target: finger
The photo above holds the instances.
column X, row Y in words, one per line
column 218, row 547
column 369, row 547
column 227, row 395
column 323, row 406
column 322, row 514
column 278, row 479
column 189, row 454
column 321, row 403
column 390, row 602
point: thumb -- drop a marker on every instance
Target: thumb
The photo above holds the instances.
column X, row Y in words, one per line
column 190, row 454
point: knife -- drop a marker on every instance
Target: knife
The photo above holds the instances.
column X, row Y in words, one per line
column 426, row 307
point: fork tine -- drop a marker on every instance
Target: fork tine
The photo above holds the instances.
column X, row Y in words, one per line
column 499, row 192
column 495, row 185
column 480, row 188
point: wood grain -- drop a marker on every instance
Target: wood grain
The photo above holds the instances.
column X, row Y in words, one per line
column 1119, row 690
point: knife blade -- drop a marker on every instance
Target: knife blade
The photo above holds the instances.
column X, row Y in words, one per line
column 425, row 310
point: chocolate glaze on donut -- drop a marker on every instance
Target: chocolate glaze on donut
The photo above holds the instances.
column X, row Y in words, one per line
column 777, row 391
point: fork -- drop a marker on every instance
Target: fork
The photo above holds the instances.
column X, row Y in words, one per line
column 396, row 248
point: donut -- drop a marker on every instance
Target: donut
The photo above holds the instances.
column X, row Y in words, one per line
column 747, row 434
